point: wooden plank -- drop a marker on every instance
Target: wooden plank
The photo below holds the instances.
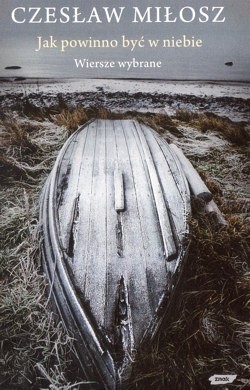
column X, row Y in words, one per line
column 119, row 189
column 147, row 232
column 65, row 168
column 85, row 189
column 113, row 260
column 171, row 191
column 197, row 185
column 161, row 207
column 93, row 265
column 133, row 263
column 70, row 193
column 177, row 172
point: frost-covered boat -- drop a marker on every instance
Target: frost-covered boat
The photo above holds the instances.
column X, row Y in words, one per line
column 114, row 216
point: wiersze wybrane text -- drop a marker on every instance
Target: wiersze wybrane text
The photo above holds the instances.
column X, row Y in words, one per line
column 122, row 64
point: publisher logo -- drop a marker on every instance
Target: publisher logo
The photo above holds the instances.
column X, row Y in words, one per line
column 222, row 379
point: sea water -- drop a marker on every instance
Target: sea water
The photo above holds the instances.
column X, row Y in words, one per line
column 175, row 64
column 39, row 52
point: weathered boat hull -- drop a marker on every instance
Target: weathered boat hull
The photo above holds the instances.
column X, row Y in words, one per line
column 114, row 217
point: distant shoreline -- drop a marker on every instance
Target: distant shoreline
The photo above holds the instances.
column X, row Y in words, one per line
column 204, row 89
column 31, row 80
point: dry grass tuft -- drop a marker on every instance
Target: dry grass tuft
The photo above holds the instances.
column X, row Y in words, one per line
column 72, row 118
column 159, row 122
column 25, row 147
column 185, row 115
column 31, row 338
column 232, row 131
column 18, row 134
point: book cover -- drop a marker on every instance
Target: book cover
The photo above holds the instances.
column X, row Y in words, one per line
column 181, row 68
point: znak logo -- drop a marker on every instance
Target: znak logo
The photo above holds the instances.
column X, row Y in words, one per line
column 222, row 379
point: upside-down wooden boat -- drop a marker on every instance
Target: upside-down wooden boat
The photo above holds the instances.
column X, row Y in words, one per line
column 114, row 221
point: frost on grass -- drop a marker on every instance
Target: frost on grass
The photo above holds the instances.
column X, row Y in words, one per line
column 35, row 349
column 235, row 132
column 207, row 333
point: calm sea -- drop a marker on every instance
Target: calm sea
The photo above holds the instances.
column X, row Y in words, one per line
column 206, row 63
column 226, row 42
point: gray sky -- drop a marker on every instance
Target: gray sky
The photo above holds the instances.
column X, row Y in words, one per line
column 225, row 40
column 236, row 12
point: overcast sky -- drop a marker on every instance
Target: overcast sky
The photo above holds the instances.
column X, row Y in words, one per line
column 228, row 39
column 236, row 12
